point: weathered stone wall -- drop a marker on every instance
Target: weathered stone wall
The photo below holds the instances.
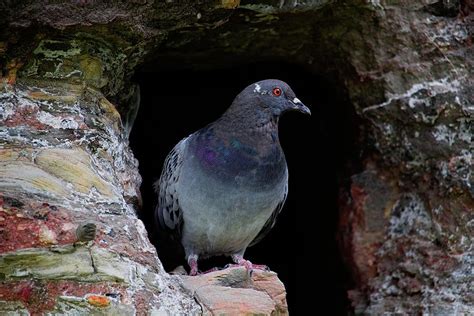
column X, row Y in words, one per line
column 65, row 164
column 407, row 228
column 406, row 218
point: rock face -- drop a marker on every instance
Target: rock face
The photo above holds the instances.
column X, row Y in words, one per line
column 65, row 169
column 407, row 219
column 234, row 292
column 66, row 103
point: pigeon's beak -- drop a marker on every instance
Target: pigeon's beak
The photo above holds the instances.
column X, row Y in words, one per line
column 299, row 106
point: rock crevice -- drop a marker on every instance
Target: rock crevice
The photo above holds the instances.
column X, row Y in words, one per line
column 406, row 220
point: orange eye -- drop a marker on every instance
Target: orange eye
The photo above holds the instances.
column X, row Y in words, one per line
column 276, row 92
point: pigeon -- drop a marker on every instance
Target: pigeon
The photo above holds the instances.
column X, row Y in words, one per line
column 222, row 187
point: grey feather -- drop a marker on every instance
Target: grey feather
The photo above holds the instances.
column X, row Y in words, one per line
column 272, row 220
column 168, row 213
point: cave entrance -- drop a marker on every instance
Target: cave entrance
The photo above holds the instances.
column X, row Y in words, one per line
column 302, row 246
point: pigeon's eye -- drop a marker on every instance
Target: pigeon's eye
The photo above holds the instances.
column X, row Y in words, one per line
column 276, row 92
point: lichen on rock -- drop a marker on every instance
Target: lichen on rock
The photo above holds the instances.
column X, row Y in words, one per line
column 406, row 226
column 56, row 176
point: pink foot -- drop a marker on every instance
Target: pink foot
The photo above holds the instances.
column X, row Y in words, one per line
column 241, row 262
column 192, row 262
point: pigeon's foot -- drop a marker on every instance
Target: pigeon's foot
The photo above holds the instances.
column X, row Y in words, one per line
column 193, row 264
column 241, row 262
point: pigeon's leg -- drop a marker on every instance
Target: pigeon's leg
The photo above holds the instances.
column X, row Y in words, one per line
column 193, row 264
column 240, row 261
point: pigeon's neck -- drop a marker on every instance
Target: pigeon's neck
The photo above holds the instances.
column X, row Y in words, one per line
column 257, row 127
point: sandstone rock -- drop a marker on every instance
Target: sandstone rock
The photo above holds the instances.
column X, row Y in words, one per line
column 56, row 176
column 406, row 68
column 233, row 291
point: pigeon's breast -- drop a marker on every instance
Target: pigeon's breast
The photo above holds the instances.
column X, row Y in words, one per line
column 227, row 193
column 233, row 162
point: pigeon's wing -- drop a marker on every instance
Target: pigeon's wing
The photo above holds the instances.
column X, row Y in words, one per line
column 168, row 212
column 272, row 220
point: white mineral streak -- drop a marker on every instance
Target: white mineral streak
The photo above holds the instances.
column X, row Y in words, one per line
column 57, row 121
column 434, row 87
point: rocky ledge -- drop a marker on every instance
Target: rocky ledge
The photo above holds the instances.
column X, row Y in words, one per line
column 234, row 291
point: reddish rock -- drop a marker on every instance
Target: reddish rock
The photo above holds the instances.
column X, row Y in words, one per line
column 403, row 246
column 51, row 183
column 234, row 292
column 362, row 223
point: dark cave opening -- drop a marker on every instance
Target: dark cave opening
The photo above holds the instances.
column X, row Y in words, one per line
column 321, row 153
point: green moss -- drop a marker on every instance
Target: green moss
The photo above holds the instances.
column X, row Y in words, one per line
column 92, row 71
column 96, row 57
column 65, row 263
column 44, row 264
column 54, row 49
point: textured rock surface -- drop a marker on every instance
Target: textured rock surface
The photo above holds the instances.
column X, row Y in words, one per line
column 406, row 217
column 234, row 292
column 407, row 228
column 64, row 163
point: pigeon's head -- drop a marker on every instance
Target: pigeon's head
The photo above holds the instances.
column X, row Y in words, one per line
column 275, row 96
